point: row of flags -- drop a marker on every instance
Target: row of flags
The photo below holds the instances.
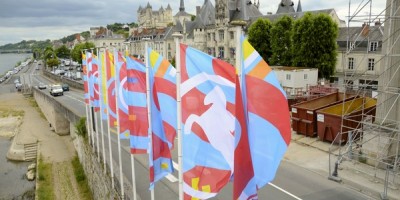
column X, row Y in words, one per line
column 235, row 127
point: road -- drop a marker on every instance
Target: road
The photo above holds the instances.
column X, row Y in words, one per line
column 291, row 182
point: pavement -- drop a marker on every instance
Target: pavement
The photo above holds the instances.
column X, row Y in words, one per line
column 313, row 154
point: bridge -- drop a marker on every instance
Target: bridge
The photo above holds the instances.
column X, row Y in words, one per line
column 15, row 51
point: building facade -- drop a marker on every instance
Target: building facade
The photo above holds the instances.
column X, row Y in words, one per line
column 149, row 18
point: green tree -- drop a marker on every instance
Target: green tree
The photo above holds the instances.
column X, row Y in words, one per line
column 63, row 52
column 323, row 45
column 281, row 42
column 52, row 62
column 302, row 34
column 259, row 37
column 76, row 53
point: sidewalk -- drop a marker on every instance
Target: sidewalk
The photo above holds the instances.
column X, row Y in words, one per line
column 313, row 154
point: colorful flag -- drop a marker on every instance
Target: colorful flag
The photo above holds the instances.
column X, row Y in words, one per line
column 112, row 109
column 162, row 78
column 267, row 112
column 208, row 117
column 244, row 187
column 122, row 95
column 85, row 78
column 103, row 87
column 137, row 106
column 94, row 83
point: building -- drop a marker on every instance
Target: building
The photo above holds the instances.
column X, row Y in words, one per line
column 149, row 18
column 359, row 57
column 211, row 31
column 296, row 80
column 102, row 37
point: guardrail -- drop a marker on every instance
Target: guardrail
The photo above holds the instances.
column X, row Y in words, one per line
column 70, row 82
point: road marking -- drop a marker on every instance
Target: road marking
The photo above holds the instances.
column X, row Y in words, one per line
column 74, row 98
column 171, row 178
column 176, row 165
column 284, row 191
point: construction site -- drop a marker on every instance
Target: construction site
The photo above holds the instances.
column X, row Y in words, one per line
column 359, row 114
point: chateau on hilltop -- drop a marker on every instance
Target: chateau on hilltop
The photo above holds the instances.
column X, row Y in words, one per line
column 149, row 18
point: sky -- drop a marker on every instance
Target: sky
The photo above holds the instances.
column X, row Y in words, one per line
column 53, row 19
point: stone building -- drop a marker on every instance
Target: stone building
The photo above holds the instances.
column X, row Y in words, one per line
column 149, row 18
column 211, row 31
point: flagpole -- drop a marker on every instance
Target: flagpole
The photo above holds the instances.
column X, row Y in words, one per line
column 90, row 105
column 132, row 157
column 86, row 104
column 177, row 36
column 150, row 131
column 121, row 181
column 109, row 131
column 101, row 98
column 238, row 62
column 95, row 115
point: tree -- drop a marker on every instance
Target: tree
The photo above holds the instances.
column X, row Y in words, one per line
column 302, row 31
column 314, row 43
column 76, row 53
column 281, row 42
column 63, row 52
column 52, row 62
column 324, row 45
column 259, row 37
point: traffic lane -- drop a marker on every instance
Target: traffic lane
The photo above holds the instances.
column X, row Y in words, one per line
column 307, row 184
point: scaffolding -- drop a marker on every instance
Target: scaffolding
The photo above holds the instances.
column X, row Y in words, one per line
column 375, row 140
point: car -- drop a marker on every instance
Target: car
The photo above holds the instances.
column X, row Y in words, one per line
column 56, row 90
column 18, row 86
column 42, row 86
column 65, row 87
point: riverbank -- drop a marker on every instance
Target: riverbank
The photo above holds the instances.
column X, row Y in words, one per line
column 53, row 148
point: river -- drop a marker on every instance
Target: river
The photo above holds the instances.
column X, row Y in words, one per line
column 9, row 60
column 13, row 184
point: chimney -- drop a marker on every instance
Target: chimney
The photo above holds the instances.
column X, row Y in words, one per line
column 365, row 30
column 197, row 10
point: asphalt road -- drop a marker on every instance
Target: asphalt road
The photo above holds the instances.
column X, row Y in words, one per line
column 291, row 182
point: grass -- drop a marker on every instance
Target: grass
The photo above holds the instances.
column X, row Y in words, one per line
column 6, row 112
column 81, row 179
column 45, row 190
column 34, row 104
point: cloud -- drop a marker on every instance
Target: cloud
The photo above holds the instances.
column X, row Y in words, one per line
column 50, row 19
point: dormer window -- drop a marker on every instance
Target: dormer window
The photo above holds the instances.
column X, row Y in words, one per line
column 373, row 46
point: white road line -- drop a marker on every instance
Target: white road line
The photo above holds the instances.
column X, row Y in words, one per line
column 74, row 98
column 284, row 191
column 171, row 178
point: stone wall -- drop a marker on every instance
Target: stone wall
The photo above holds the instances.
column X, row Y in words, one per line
column 99, row 181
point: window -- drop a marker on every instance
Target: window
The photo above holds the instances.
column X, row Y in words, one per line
column 169, row 46
column 221, row 35
column 305, row 76
column 371, row 64
column 232, row 34
column 373, row 46
column 233, row 51
column 221, row 52
column 351, row 63
column 288, row 76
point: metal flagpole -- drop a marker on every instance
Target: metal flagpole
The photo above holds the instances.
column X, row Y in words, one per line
column 146, row 46
column 132, row 157
column 177, row 36
column 90, row 105
column 109, row 130
column 101, row 98
column 121, row 181
column 87, row 105
column 95, row 115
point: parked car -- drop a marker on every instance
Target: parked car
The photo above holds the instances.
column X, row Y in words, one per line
column 18, row 86
column 65, row 87
column 56, row 90
column 42, row 86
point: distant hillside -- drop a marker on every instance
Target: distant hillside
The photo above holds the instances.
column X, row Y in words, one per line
column 119, row 28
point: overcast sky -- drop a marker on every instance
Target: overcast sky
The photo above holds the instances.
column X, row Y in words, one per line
column 52, row 19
